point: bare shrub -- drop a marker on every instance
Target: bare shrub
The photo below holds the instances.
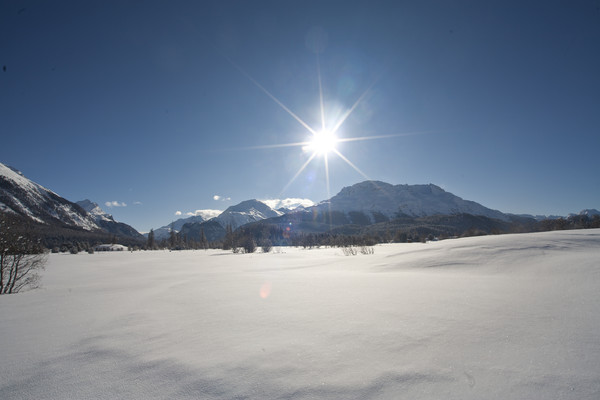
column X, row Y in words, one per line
column 349, row 251
column 248, row 244
column 266, row 246
column 21, row 258
column 367, row 250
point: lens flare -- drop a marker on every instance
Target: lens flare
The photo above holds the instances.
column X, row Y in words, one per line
column 265, row 290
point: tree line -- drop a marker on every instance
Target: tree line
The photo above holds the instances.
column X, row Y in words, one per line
column 265, row 235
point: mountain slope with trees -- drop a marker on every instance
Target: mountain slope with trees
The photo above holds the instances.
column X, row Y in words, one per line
column 21, row 196
column 55, row 221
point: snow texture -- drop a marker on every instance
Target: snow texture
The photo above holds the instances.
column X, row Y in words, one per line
column 496, row 317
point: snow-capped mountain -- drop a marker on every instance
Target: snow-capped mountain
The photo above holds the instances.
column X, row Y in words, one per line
column 364, row 203
column 590, row 212
column 164, row 231
column 106, row 221
column 206, row 213
column 539, row 217
column 289, row 204
column 236, row 216
column 246, row 212
column 21, row 196
column 374, row 198
column 241, row 214
column 200, row 216
column 94, row 210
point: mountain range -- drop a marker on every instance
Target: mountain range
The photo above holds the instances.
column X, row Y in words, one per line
column 369, row 207
column 364, row 203
column 235, row 216
column 376, row 209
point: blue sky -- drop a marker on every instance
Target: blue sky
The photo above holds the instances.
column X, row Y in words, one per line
column 161, row 105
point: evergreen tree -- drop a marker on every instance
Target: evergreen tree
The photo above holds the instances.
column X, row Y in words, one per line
column 151, row 243
column 228, row 242
column 172, row 239
column 203, row 241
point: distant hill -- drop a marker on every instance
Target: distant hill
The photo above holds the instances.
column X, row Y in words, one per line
column 200, row 216
column 164, row 231
column 212, row 229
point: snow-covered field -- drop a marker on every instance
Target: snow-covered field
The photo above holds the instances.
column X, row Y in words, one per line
column 497, row 317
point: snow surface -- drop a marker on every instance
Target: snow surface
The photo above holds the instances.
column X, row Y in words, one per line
column 496, row 317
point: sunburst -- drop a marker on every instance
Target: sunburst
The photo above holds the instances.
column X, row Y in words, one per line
column 322, row 142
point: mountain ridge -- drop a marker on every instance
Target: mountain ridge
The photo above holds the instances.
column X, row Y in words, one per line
column 236, row 216
column 21, row 196
column 375, row 204
column 26, row 199
column 360, row 205
column 394, row 200
column 106, row 221
column 245, row 212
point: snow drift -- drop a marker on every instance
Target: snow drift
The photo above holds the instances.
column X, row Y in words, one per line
column 496, row 317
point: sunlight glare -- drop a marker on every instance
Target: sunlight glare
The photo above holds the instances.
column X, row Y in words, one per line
column 322, row 142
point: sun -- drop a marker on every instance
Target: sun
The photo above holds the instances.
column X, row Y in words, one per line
column 322, row 143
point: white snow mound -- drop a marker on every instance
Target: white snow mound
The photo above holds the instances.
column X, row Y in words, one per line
column 496, row 317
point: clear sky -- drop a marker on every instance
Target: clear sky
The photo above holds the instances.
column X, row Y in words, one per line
column 162, row 106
